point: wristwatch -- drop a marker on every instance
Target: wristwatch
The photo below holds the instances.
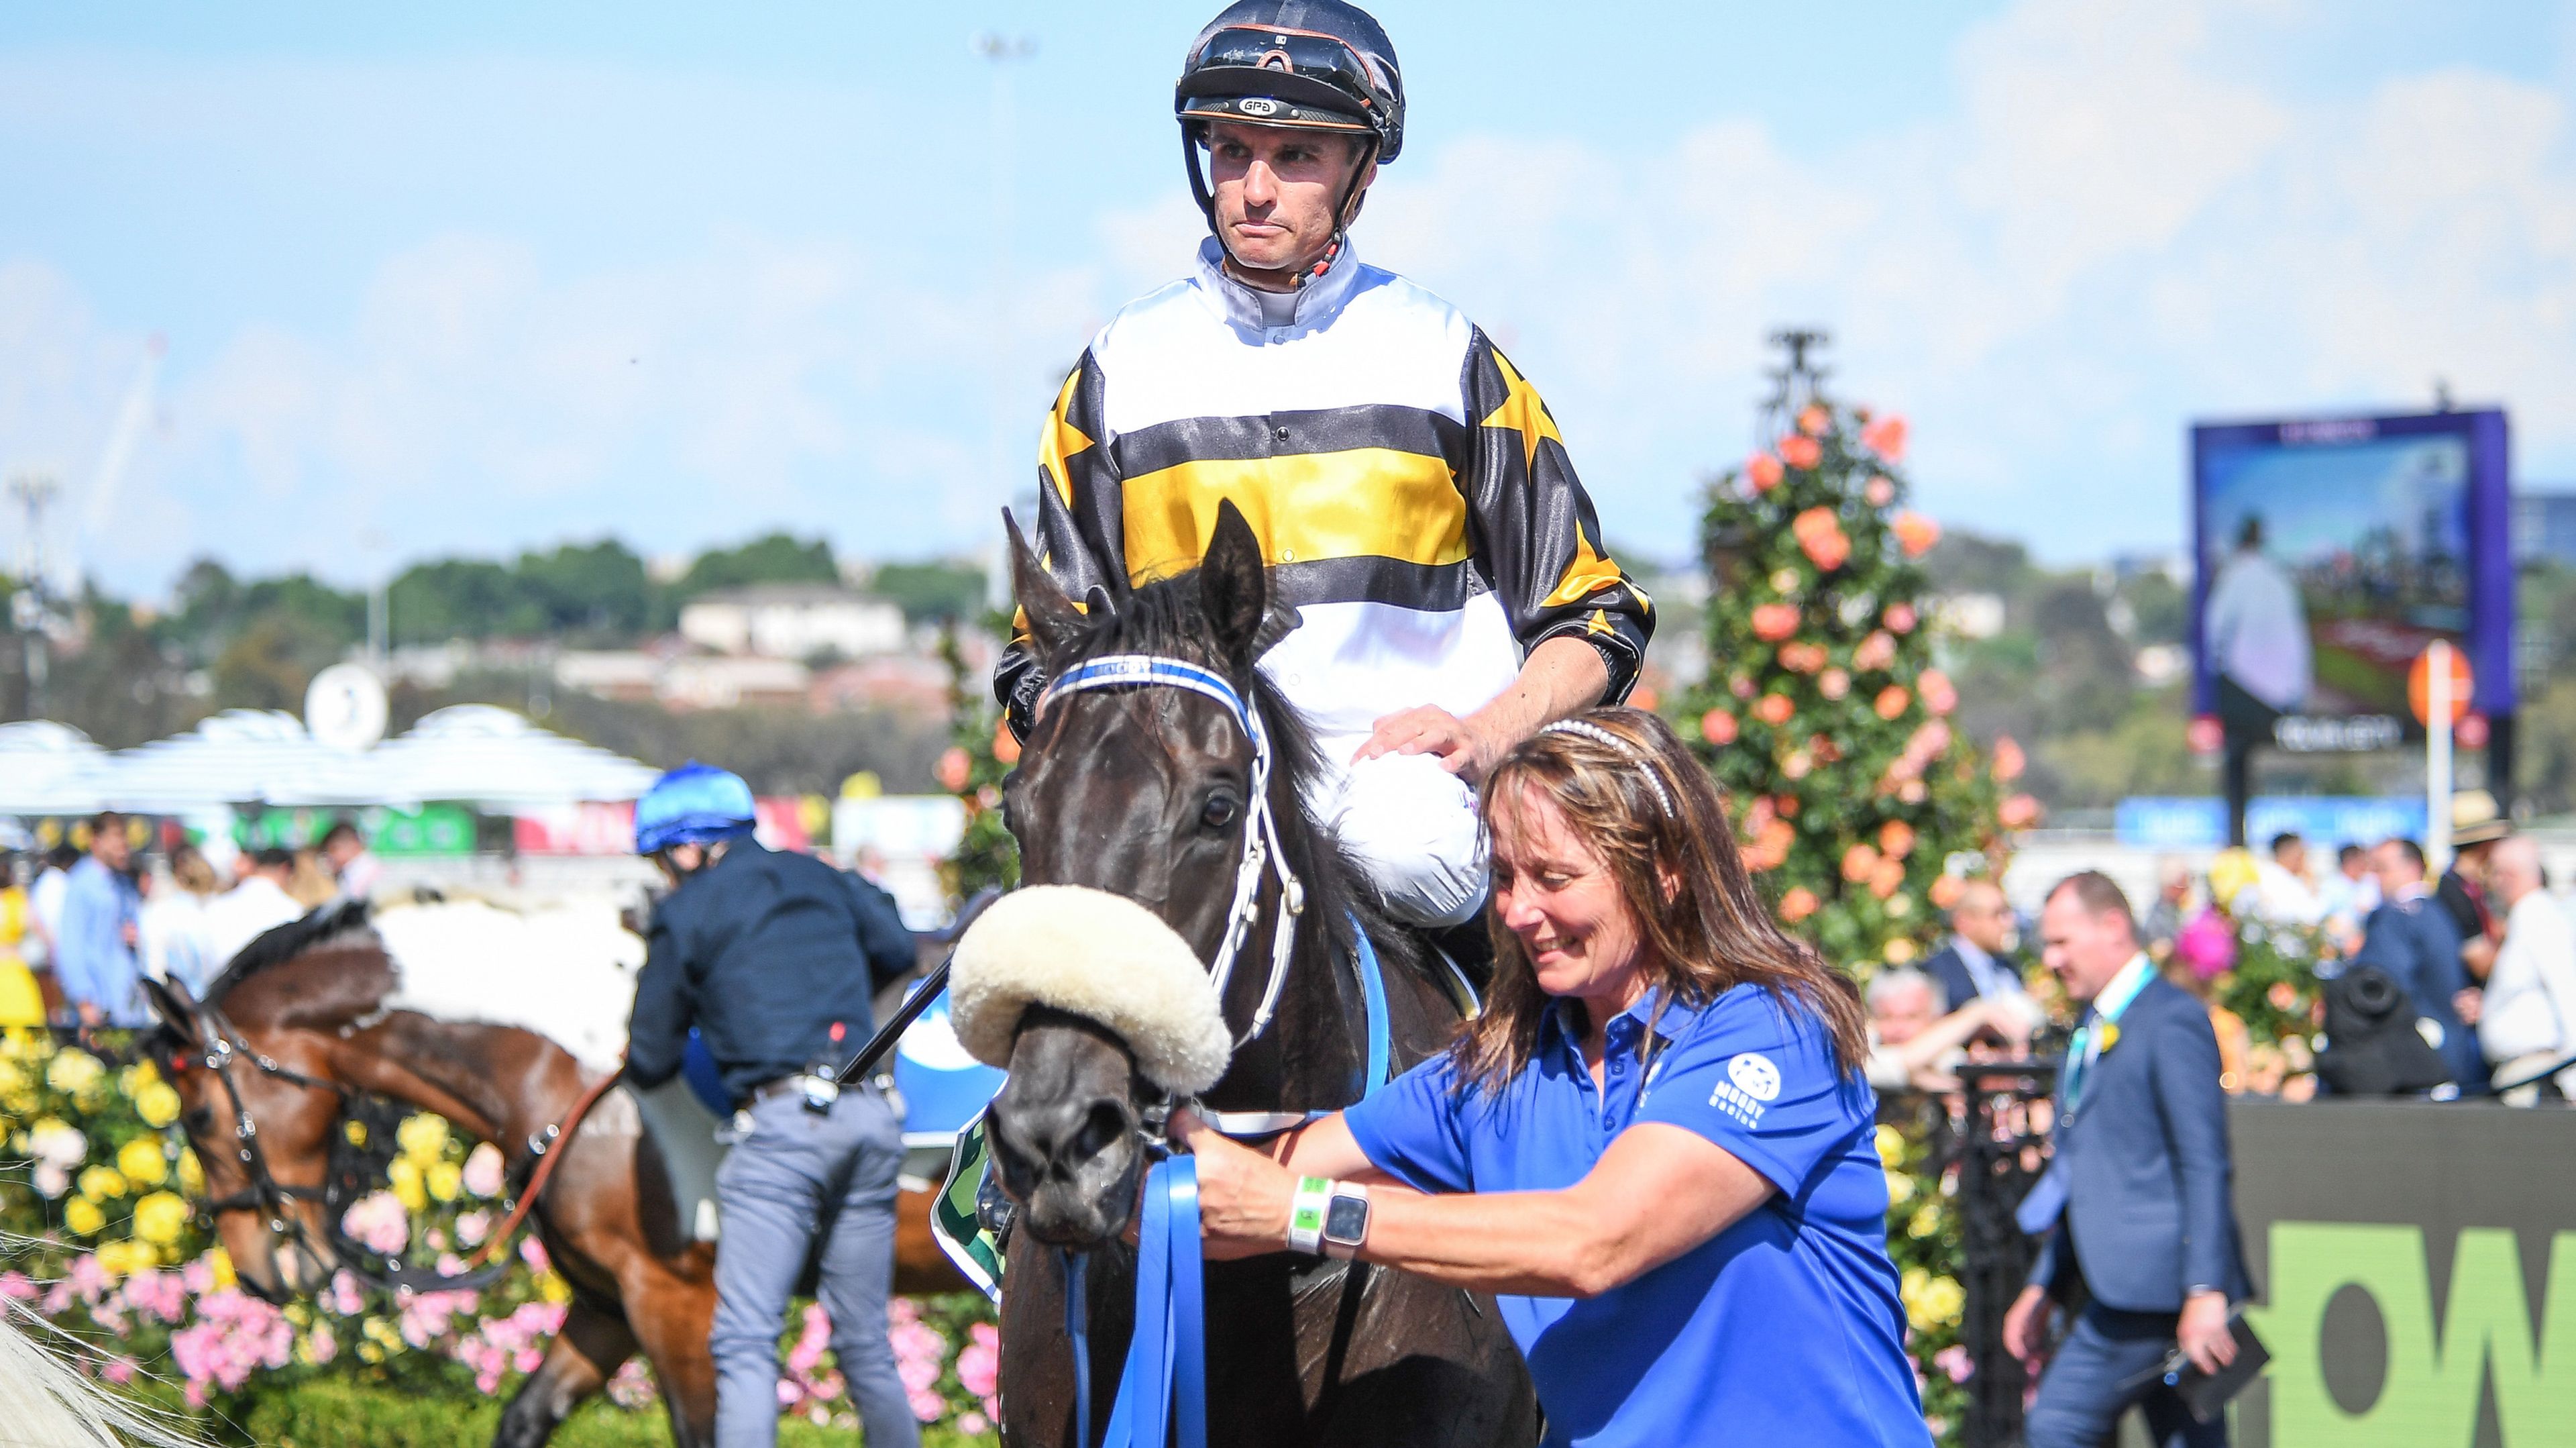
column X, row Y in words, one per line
column 1346, row 1220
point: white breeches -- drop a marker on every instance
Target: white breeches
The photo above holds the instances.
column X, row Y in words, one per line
column 1411, row 827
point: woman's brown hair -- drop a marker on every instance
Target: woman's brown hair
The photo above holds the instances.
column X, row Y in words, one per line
column 1641, row 802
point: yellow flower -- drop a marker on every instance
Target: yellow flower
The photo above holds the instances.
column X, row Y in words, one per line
column 445, row 1179
column 1930, row 1302
column 1925, row 1221
column 370, row 1353
column 73, row 1071
column 157, row 1103
column 381, row 1332
column 142, row 1161
column 83, row 1216
column 124, row 1259
column 2110, row 1034
column 1891, row 1145
column 553, row 1288
column 423, row 1138
column 1900, row 1188
column 101, row 1181
column 192, row 1177
column 404, row 1173
column 298, row 1313
column 220, row 1262
column 160, row 1218
column 1900, row 950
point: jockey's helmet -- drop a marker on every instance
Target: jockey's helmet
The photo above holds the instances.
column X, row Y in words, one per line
column 695, row 804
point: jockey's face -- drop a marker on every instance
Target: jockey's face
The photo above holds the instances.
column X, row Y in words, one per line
column 1276, row 188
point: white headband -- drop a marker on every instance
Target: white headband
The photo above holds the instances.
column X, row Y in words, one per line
column 1617, row 745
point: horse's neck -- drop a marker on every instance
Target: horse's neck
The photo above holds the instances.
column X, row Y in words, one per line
column 495, row 1082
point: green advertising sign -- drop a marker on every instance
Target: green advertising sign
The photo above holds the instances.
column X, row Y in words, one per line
column 2419, row 1271
column 434, row 829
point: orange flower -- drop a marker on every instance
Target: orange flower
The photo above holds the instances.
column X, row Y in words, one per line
column 1797, row 765
column 1774, row 709
column 1881, row 491
column 1787, row 804
column 954, row 769
column 1829, row 551
column 1773, row 622
column 1900, row 618
column 1939, row 694
column 1823, row 748
column 1886, row 878
column 1717, row 727
column 2018, row 812
column 1813, row 521
column 1891, row 701
column 1896, row 839
column 1915, row 533
column 1912, row 791
column 1815, row 420
column 1875, row 652
column 1946, row 890
column 1802, row 658
column 1833, row 683
column 1006, row 746
column 2008, row 758
column 1801, row 452
column 1762, row 471
column 1885, row 436
column 1798, row 904
column 1858, row 861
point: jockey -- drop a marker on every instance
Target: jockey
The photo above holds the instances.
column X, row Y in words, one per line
column 1412, row 495
column 774, row 956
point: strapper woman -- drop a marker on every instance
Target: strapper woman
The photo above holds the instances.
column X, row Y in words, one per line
column 1655, row 1144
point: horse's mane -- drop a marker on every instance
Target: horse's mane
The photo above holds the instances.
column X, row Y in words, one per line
column 324, row 970
column 1166, row 617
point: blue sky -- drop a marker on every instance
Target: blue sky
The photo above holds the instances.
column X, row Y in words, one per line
column 463, row 279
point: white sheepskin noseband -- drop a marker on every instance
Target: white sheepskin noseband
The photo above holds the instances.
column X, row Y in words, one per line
column 1099, row 956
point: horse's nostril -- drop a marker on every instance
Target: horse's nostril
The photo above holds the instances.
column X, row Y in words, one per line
column 1102, row 1125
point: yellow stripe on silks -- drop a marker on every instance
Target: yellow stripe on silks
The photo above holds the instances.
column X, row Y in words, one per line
column 1366, row 502
column 1586, row 574
column 1062, row 440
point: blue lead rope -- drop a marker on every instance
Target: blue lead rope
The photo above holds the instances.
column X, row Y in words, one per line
column 1165, row 1377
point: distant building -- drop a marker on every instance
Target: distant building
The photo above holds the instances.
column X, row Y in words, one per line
column 900, row 683
column 628, row 674
column 793, row 621
column 703, row 683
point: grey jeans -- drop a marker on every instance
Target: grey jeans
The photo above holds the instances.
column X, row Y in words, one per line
column 797, row 1177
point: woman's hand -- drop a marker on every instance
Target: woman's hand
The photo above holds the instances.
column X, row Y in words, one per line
column 1244, row 1196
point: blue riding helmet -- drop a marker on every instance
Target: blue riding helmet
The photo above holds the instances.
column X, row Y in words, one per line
column 695, row 804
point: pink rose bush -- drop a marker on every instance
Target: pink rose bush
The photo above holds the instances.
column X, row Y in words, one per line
column 99, row 1233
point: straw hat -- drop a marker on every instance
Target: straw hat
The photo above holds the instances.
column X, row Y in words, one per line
column 2475, row 820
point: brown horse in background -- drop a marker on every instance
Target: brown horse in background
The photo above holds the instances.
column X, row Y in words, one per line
column 298, row 1018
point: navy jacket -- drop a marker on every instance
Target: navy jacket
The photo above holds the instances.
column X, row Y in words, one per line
column 764, row 952
column 2418, row 942
column 2150, row 1211
column 1946, row 966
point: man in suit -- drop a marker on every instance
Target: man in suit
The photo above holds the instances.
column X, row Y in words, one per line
column 2414, row 939
column 2144, row 1250
column 1974, row 964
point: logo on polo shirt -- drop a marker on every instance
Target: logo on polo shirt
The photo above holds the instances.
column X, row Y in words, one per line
column 1755, row 1076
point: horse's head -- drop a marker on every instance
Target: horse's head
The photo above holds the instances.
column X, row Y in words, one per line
column 263, row 1140
column 1142, row 793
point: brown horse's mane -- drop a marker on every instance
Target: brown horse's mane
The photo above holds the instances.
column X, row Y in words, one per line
column 320, row 972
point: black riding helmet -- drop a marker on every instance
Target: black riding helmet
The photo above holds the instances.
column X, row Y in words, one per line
column 1312, row 64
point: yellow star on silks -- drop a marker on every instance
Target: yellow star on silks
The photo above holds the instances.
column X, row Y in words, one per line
column 1063, row 440
column 1523, row 412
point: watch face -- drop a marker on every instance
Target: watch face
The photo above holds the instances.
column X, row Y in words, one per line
column 1346, row 1220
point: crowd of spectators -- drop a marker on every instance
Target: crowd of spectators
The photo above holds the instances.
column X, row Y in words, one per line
column 84, row 924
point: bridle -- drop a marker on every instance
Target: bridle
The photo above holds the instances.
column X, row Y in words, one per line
column 223, row 1047
column 1261, row 851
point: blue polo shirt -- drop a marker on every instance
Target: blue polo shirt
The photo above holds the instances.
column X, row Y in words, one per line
column 1784, row 1328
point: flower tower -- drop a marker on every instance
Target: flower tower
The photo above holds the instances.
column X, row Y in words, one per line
column 1823, row 717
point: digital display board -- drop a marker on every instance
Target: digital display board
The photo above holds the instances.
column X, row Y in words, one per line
column 2330, row 552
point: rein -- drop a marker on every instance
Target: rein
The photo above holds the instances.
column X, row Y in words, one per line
column 267, row 1194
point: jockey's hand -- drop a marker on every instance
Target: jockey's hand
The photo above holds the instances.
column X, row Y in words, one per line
column 1244, row 1196
column 1462, row 748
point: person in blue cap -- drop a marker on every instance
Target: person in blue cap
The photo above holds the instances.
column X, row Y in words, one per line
column 774, row 957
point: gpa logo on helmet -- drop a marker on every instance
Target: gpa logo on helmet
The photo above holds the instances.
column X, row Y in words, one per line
column 1755, row 1076
column 1257, row 106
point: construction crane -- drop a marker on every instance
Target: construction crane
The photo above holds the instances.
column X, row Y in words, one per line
column 97, row 514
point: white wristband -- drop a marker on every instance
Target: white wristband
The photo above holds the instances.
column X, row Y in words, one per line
column 1306, row 1215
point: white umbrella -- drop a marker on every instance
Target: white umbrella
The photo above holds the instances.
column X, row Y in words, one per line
column 47, row 769
column 241, row 756
column 489, row 756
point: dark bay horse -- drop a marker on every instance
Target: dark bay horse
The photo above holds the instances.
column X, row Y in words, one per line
column 299, row 1017
column 1142, row 793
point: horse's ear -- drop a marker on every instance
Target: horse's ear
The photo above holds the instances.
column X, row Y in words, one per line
column 1052, row 616
column 1233, row 588
column 176, row 1008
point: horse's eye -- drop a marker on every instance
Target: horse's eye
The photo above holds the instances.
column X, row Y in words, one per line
column 1220, row 810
